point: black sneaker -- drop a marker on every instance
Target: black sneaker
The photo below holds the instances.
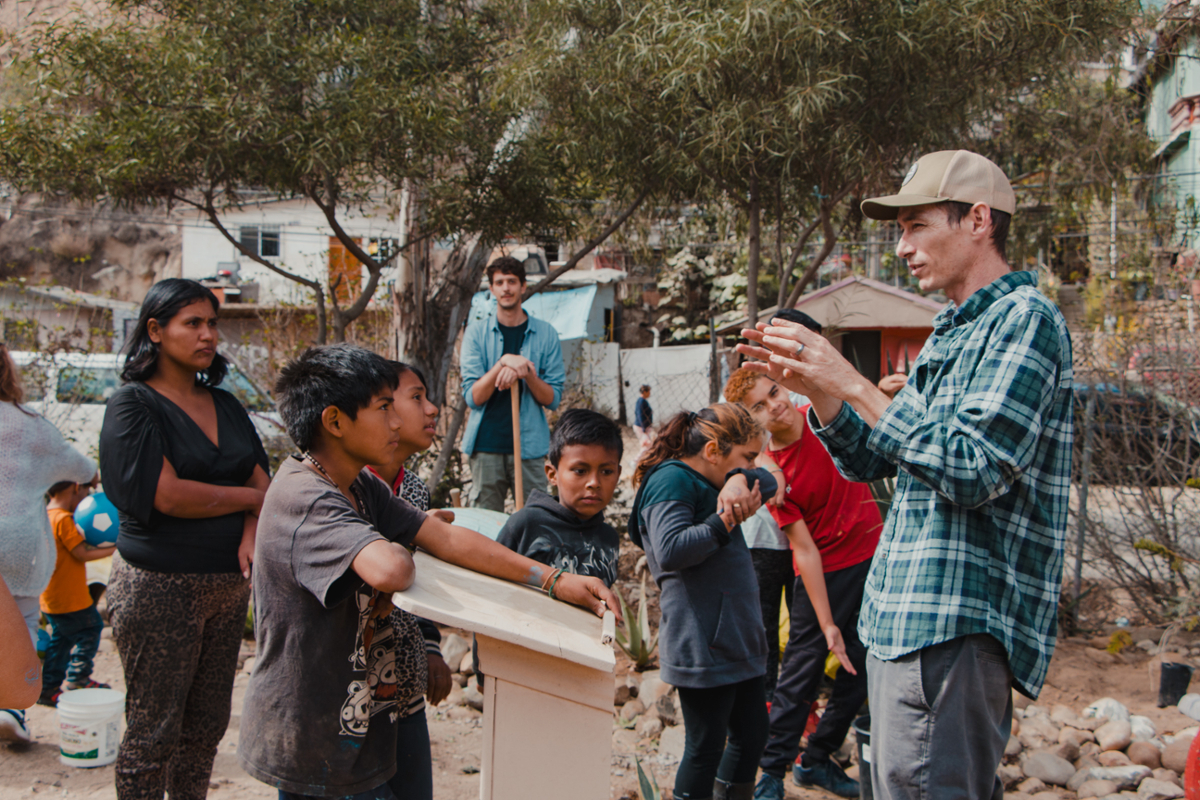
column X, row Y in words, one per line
column 50, row 699
column 826, row 775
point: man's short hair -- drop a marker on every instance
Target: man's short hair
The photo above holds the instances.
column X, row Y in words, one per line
column 645, row 387
column 509, row 266
column 341, row 375
column 740, row 384
column 956, row 212
column 800, row 318
column 584, row 426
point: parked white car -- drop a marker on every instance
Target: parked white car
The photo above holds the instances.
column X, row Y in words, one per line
column 70, row 390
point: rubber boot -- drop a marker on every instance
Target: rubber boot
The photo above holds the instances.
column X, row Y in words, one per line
column 732, row 791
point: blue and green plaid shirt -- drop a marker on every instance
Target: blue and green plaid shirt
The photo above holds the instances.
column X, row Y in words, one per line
column 981, row 441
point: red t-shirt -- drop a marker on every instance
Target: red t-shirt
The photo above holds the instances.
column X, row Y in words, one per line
column 841, row 515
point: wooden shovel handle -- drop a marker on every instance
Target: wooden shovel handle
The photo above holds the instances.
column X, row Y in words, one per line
column 518, row 477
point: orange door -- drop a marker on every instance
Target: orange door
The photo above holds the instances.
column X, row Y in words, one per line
column 345, row 271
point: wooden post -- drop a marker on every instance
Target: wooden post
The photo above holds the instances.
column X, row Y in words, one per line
column 518, row 476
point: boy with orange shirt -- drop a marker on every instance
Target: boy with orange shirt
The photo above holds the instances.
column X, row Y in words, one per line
column 75, row 624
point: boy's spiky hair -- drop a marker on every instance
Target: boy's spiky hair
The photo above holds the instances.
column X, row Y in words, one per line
column 584, row 426
column 341, row 375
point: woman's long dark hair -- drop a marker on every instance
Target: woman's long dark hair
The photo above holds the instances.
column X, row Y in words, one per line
column 164, row 300
column 686, row 433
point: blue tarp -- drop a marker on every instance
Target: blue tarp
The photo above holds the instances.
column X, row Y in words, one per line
column 568, row 310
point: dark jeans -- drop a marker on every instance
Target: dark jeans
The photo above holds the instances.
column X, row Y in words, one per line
column 803, row 666
column 725, row 729
column 776, row 578
column 74, row 640
column 414, row 761
column 414, row 767
column 940, row 718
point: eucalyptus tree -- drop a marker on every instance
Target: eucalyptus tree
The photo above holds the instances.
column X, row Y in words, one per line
column 793, row 109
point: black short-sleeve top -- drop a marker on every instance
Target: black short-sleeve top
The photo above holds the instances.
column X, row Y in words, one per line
column 141, row 427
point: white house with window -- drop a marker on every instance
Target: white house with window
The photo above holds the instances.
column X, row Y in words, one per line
column 293, row 234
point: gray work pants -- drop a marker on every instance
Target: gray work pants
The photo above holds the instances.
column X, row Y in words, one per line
column 940, row 718
column 492, row 479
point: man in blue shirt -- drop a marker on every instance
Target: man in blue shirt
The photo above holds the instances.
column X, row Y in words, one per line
column 961, row 601
column 506, row 351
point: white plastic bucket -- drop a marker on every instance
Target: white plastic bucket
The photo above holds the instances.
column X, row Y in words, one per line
column 89, row 726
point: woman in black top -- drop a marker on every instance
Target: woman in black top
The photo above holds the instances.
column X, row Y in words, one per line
column 183, row 464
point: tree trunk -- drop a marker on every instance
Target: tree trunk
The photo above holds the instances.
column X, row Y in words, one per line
column 755, row 253
column 431, row 309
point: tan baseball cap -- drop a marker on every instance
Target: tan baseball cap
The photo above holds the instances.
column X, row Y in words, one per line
column 958, row 175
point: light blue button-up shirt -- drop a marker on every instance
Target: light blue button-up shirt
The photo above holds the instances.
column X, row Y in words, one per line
column 482, row 347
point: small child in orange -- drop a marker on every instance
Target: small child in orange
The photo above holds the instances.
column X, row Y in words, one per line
column 75, row 624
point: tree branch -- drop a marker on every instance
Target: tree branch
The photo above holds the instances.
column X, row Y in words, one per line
column 591, row 245
column 209, row 209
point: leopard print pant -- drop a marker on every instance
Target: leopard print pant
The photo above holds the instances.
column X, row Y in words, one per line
column 178, row 637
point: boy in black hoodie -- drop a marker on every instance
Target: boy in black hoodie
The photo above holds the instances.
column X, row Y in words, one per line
column 584, row 464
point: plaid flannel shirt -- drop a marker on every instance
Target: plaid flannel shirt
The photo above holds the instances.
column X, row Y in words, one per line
column 980, row 439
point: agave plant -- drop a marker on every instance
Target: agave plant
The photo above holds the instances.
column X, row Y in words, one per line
column 635, row 638
column 647, row 782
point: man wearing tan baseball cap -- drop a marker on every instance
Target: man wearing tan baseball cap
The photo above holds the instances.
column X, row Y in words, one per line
column 962, row 598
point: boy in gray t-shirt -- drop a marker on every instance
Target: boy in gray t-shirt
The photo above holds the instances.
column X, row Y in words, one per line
column 320, row 712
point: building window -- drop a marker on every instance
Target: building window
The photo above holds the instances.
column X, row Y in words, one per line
column 261, row 240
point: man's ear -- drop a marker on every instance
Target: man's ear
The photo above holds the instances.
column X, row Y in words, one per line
column 331, row 421
column 980, row 217
column 551, row 474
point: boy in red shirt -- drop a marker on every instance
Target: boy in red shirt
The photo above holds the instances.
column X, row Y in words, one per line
column 75, row 624
column 833, row 526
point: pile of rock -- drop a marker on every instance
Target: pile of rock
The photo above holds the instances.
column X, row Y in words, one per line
column 1102, row 751
column 464, row 699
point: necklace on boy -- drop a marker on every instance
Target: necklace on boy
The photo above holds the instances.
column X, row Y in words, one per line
column 358, row 498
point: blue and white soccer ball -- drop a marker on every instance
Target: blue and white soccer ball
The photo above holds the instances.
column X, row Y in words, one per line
column 97, row 517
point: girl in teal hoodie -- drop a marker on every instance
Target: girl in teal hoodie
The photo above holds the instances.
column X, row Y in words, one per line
column 697, row 483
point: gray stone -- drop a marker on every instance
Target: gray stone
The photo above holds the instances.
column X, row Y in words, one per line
column 453, row 648
column 624, row 741
column 1014, row 747
column 1107, row 707
column 1124, row 777
column 1169, row 775
column 632, row 709
column 467, row 665
column 1047, row 795
column 1068, row 751
column 1031, row 786
column 1047, row 766
column 473, row 697
column 670, row 745
column 1010, row 774
column 1142, row 728
column 1174, row 755
column 1150, row 789
column 455, row 697
column 1095, row 788
column 649, row 727
column 1037, row 732
column 622, row 691
column 1076, row 736
column 1081, row 777
column 1113, row 758
column 248, row 667
column 1114, row 735
column 1146, row 754
column 666, row 710
column 652, row 686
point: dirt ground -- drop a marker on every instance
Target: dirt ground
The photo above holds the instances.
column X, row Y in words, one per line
column 1077, row 677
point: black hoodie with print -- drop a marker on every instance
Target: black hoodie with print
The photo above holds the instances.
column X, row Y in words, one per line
column 549, row 532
